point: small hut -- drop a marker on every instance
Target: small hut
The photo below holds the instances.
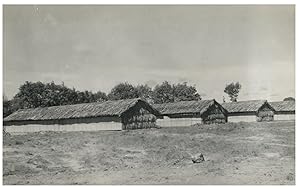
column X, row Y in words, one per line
column 249, row 111
column 284, row 110
column 109, row 115
column 187, row 113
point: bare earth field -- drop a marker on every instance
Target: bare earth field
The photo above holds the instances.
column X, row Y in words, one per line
column 241, row 153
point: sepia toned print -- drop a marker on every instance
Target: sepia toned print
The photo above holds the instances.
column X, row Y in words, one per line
column 149, row 94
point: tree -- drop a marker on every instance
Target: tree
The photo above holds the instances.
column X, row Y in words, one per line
column 163, row 93
column 38, row 94
column 233, row 90
column 100, row 96
column 166, row 93
column 4, row 97
column 145, row 92
column 31, row 94
column 289, row 99
column 7, row 107
column 122, row 91
column 183, row 92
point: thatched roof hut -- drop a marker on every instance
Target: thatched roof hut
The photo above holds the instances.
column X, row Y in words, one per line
column 110, row 111
column 243, row 106
column 210, row 111
column 260, row 109
column 284, row 106
column 185, row 107
column 284, row 110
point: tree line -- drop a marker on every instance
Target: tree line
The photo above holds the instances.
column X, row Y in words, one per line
column 38, row 94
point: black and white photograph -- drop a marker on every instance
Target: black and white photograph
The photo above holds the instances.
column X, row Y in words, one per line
column 136, row 94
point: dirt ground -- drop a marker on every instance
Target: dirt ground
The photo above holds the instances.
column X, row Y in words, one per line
column 241, row 153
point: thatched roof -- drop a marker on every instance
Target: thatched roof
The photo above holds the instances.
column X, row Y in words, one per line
column 185, row 107
column 244, row 106
column 283, row 106
column 96, row 109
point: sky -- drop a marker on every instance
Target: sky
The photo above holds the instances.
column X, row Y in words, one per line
column 96, row 47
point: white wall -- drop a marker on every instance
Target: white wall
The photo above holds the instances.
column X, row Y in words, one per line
column 177, row 122
column 70, row 127
column 284, row 117
column 247, row 118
